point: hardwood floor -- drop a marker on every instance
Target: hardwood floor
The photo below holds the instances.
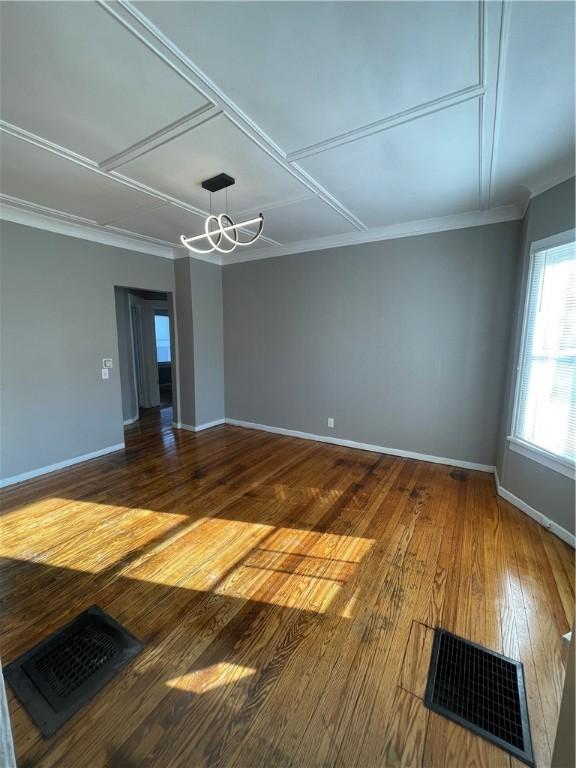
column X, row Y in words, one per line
column 285, row 592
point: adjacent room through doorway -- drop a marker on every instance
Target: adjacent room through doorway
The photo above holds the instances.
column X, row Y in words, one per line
column 145, row 331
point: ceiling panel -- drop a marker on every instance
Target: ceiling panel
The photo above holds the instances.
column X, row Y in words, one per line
column 164, row 222
column 179, row 167
column 44, row 178
column 425, row 168
column 304, row 220
column 307, row 71
column 72, row 74
column 536, row 138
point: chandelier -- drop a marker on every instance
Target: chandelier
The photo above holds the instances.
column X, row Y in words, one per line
column 220, row 232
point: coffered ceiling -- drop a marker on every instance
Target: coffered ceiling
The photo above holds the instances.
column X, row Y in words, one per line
column 343, row 122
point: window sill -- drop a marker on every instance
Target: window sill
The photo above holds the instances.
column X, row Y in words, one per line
column 563, row 466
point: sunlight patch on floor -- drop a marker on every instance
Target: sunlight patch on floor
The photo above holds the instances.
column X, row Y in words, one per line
column 349, row 609
column 108, row 539
column 300, row 568
column 211, row 677
column 308, row 581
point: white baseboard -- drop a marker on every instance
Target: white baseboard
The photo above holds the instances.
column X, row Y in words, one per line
column 60, row 465
column 550, row 525
column 362, row 446
column 133, row 420
column 544, row 521
column 199, row 427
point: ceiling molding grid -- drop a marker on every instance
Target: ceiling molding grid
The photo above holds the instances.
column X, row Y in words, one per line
column 493, row 35
column 138, row 24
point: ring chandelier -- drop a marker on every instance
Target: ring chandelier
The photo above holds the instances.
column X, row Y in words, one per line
column 222, row 234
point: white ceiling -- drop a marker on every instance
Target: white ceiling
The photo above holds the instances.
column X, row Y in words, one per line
column 342, row 122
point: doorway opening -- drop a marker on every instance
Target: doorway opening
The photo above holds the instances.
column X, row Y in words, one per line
column 145, row 322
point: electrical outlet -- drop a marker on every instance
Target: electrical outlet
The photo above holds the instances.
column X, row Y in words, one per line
column 107, row 362
column 331, row 422
column 105, row 373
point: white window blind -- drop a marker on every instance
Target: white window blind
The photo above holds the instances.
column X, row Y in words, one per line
column 545, row 413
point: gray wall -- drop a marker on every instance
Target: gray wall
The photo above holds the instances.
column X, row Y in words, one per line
column 58, row 322
column 545, row 490
column 207, row 323
column 125, row 356
column 403, row 342
column 199, row 318
column 183, row 296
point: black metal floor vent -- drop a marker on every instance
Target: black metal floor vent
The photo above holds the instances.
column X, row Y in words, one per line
column 482, row 691
column 59, row 675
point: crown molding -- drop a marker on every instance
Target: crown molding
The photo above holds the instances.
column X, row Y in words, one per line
column 40, row 217
column 67, row 154
column 392, row 232
column 38, row 141
column 539, row 189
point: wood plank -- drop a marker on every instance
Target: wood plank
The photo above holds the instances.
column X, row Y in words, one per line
column 414, row 674
column 286, row 593
column 405, row 731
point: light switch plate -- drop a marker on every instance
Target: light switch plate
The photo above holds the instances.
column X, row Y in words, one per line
column 105, row 373
column 106, row 362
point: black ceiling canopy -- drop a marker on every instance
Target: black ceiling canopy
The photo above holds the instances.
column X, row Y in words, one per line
column 216, row 183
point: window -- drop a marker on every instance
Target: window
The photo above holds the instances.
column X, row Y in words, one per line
column 544, row 423
column 162, row 327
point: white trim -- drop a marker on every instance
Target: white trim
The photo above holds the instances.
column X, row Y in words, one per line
column 476, row 218
column 60, row 465
column 199, row 427
column 173, row 314
column 108, row 227
column 129, row 16
column 362, row 446
column 133, row 420
column 392, row 121
column 520, row 357
column 40, row 217
column 544, row 521
column 494, row 90
column 534, row 453
column 517, row 443
column 560, row 238
column 452, row 99
column 159, row 138
column 210, row 424
column 294, row 200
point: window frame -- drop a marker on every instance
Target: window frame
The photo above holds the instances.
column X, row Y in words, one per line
column 163, row 311
column 532, row 451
